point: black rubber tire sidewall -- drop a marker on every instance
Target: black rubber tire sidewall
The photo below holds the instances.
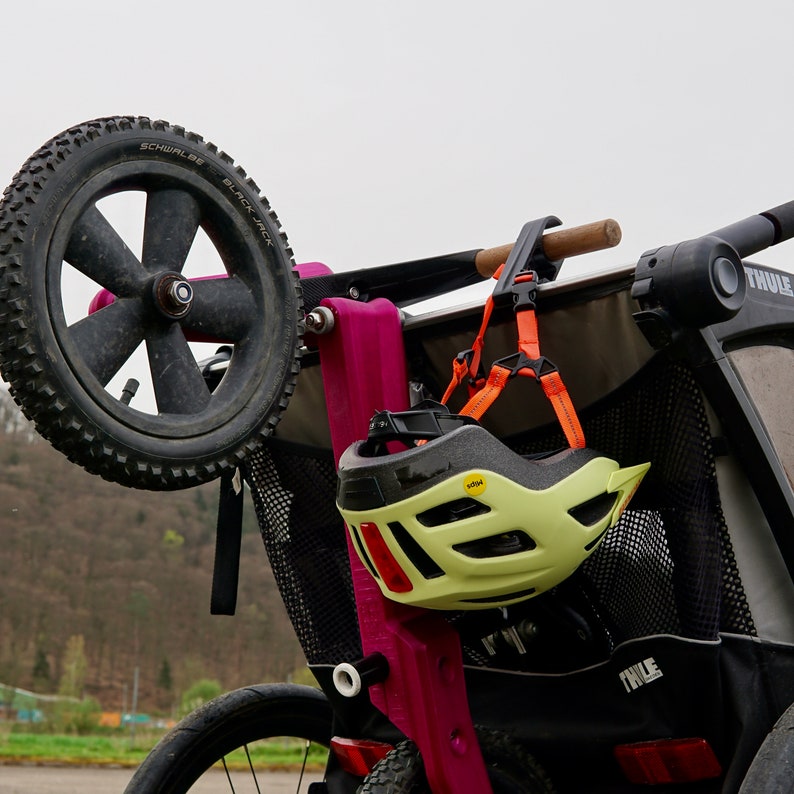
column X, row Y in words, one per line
column 123, row 444
column 226, row 723
column 772, row 769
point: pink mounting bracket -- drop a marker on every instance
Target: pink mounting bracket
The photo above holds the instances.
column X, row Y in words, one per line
column 424, row 695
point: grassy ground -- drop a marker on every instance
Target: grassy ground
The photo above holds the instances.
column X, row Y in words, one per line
column 118, row 750
column 52, row 749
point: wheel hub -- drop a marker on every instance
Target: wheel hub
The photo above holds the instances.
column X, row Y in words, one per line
column 173, row 295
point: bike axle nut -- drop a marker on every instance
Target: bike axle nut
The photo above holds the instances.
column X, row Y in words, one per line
column 320, row 320
column 173, row 295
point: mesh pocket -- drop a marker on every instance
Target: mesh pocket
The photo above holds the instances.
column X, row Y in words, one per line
column 666, row 568
column 294, row 491
column 668, row 565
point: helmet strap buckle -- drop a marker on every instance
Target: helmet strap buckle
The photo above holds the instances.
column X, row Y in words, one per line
column 517, row 283
column 525, row 365
column 526, row 256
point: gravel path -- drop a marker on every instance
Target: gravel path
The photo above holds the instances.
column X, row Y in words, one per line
column 93, row 780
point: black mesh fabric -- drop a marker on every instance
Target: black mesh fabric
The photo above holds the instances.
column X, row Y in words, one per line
column 294, row 490
column 666, row 568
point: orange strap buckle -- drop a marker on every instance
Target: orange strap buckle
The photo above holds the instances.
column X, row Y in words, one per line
column 527, row 362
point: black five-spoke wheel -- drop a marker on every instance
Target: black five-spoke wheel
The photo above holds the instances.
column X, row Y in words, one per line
column 209, row 265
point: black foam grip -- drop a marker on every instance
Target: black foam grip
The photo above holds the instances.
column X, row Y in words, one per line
column 783, row 219
column 750, row 235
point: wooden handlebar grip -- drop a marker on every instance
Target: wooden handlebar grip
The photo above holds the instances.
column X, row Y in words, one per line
column 557, row 245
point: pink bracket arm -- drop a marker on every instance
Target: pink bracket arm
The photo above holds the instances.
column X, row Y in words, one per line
column 363, row 368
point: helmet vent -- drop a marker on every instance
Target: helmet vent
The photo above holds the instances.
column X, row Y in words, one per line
column 456, row 510
column 593, row 543
column 499, row 599
column 419, row 558
column 363, row 551
column 359, row 493
column 500, row 545
column 594, row 510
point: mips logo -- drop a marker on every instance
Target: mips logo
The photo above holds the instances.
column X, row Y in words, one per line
column 474, row 484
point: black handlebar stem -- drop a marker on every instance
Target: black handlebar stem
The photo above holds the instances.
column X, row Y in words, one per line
column 758, row 232
column 783, row 219
column 701, row 282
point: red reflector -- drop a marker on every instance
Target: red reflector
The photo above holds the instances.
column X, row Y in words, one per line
column 358, row 756
column 394, row 577
column 668, row 761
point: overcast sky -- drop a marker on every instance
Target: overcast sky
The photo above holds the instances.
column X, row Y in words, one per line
column 383, row 132
column 388, row 131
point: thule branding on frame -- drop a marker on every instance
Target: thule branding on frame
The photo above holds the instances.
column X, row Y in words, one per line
column 769, row 281
column 640, row 674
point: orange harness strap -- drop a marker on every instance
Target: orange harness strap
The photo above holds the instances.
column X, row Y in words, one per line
column 479, row 403
column 467, row 364
column 560, row 400
column 529, row 363
column 460, row 369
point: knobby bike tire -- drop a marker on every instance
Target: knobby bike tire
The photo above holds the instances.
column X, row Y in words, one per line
column 226, row 723
column 52, row 228
column 511, row 769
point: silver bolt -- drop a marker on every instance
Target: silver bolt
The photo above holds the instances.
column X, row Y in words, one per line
column 173, row 295
column 354, row 293
column 180, row 293
column 320, row 320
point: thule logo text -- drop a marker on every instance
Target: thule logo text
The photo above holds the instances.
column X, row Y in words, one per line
column 640, row 674
column 768, row 281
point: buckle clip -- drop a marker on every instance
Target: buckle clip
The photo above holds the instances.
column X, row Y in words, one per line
column 527, row 254
column 524, row 365
column 465, row 357
column 462, row 367
column 525, row 290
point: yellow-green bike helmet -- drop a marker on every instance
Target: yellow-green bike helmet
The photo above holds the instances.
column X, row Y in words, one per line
column 460, row 521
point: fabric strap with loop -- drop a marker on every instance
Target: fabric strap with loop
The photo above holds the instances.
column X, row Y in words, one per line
column 527, row 362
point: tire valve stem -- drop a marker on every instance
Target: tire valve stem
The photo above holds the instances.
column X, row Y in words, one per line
column 128, row 392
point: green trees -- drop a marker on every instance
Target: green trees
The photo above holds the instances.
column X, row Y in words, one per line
column 42, row 675
column 75, row 668
column 200, row 693
column 130, row 572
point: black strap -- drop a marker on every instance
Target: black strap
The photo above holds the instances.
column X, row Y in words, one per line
column 228, row 539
